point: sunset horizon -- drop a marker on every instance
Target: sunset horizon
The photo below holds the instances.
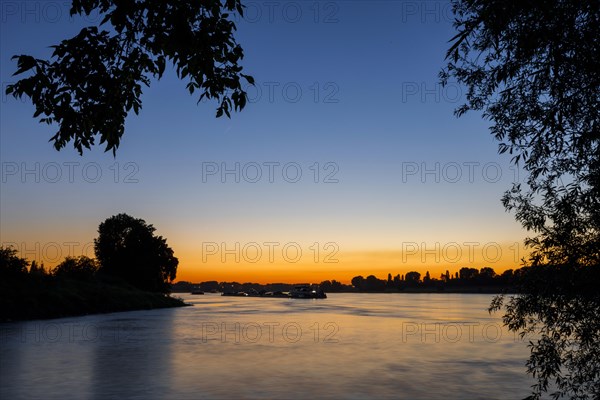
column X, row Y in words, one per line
column 290, row 199
column 267, row 262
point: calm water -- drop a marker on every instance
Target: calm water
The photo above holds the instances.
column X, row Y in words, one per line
column 430, row 346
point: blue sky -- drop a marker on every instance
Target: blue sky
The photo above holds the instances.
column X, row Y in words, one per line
column 349, row 89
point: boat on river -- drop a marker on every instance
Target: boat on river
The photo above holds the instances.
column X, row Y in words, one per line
column 303, row 291
column 307, row 292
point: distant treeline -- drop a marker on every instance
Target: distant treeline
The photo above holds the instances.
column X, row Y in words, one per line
column 465, row 280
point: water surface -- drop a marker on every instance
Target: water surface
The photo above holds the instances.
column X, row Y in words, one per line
column 429, row 346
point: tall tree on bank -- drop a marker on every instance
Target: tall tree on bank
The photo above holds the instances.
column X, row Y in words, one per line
column 533, row 69
column 127, row 248
column 93, row 80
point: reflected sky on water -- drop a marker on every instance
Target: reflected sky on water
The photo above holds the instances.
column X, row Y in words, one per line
column 433, row 346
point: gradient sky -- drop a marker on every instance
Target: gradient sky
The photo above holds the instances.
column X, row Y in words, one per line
column 349, row 89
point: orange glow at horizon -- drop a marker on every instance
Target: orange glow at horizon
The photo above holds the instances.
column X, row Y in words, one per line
column 274, row 263
column 343, row 266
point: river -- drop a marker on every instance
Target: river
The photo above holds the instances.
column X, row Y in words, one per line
column 407, row 346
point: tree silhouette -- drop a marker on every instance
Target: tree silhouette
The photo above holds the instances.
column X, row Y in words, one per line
column 468, row 274
column 358, row 282
column 127, row 248
column 374, row 284
column 507, row 276
column 11, row 265
column 34, row 268
column 82, row 268
column 533, row 68
column 95, row 78
column 486, row 275
column 427, row 278
column 412, row 278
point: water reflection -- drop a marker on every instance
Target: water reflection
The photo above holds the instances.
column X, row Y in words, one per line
column 135, row 361
column 347, row 346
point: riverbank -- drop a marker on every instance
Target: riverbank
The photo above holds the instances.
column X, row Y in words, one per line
column 47, row 298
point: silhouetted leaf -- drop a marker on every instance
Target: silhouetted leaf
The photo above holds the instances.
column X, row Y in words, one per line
column 94, row 79
column 248, row 78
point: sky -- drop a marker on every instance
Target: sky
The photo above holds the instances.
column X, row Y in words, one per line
column 348, row 159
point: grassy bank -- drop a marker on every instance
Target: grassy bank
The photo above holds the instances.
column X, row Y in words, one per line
column 50, row 297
